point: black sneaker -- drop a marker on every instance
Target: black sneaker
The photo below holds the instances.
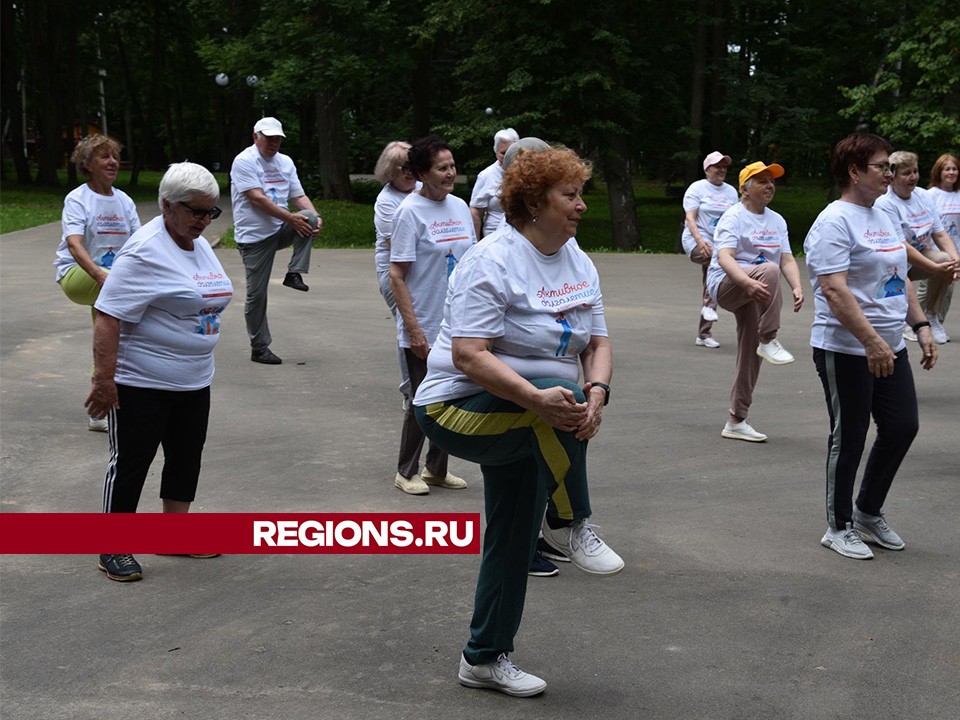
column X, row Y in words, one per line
column 265, row 356
column 295, row 281
column 545, row 549
column 541, row 567
column 122, row 568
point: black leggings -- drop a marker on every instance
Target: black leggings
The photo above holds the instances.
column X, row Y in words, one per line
column 853, row 394
column 147, row 419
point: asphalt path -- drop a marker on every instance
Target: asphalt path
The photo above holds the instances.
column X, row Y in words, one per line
column 728, row 606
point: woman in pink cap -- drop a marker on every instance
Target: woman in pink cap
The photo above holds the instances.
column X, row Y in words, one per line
column 751, row 250
column 703, row 204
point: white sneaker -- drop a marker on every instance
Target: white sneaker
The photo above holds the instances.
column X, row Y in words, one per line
column 908, row 333
column 742, row 431
column 846, row 542
column 709, row 314
column 940, row 336
column 775, row 353
column 707, row 342
column 411, row 486
column 584, row 548
column 97, row 424
column 500, row 675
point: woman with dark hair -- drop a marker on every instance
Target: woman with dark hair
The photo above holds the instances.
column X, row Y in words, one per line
column 97, row 220
column 523, row 318
column 394, row 172
column 858, row 268
column 930, row 252
column 432, row 230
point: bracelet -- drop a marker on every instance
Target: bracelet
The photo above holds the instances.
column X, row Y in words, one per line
column 605, row 388
column 920, row 325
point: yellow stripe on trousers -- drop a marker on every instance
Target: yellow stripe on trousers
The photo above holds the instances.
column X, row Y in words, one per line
column 475, row 424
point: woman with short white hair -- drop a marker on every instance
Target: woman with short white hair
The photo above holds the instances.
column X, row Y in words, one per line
column 485, row 200
column 158, row 321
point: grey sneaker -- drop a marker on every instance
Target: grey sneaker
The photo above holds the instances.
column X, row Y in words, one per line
column 584, row 548
column 500, row 675
column 847, row 543
column 940, row 336
column 874, row 529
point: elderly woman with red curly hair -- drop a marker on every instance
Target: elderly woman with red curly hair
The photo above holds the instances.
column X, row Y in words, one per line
column 523, row 324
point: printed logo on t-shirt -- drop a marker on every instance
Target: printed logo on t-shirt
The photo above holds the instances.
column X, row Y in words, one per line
column 451, row 262
column 567, row 296
column 212, row 285
column 564, row 347
column 111, row 225
column 891, row 286
column 106, row 260
column 442, row 231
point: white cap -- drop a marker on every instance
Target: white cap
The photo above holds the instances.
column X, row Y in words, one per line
column 269, row 126
column 715, row 158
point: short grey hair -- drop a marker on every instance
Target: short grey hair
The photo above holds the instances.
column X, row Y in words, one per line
column 183, row 180
column 903, row 158
column 507, row 135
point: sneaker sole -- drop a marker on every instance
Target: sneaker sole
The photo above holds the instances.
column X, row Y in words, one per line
column 831, row 545
column 486, row 685
column 553, row 555
column 736, row 436
column 775, row 362
column 544, row 573
column 443, row 484
column 868, row 537
column 120, row 578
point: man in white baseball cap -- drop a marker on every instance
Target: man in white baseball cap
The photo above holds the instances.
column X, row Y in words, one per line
column 263, row 184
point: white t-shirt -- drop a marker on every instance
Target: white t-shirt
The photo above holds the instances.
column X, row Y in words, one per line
column 168, row 301
column 432, row 236
column 384, row 210
column 755, row 239
column 277, row 178
column 710, row 201
column 486, row 197
column 948, row 205
column 539, row 310
column 864, row 243
column 105, row 223
column 916, row 217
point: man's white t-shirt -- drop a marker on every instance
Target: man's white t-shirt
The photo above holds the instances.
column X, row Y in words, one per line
column 105, row 222
column 384, row 211
column 539, row 310
column 948, row 205
column 864, row 243
column 486, row 197
column 710, row 201
column 169, row 302
column 755, row 239
column 278, row 179
column 917, row 217
column 432, row 236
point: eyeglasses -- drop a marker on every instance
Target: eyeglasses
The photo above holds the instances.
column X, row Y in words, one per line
column 213, row 213
column 884, row 168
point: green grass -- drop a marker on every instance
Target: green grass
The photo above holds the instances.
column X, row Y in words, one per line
column 350, row 225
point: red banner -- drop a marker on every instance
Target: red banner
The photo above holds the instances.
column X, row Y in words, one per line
column 239, row 533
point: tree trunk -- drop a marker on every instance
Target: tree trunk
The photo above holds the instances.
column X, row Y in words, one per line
column 334, row 178
column 696, row 93
column 718, row 54
column 43, row 35
column 623, row 204
column 420, row 87
column 12, row 78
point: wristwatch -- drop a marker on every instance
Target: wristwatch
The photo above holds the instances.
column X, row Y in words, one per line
column 606, row 389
